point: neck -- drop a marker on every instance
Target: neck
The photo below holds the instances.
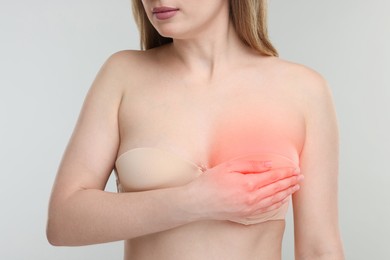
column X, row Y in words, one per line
column 210, row 51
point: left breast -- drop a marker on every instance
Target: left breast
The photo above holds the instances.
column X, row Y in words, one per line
column 265, row 126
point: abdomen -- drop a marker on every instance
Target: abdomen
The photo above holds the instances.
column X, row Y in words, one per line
column 210, row 239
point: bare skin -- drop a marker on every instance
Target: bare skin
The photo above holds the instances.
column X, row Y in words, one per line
column 191, row 96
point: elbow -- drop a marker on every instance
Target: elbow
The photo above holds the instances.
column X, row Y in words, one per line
column 52, row 240
column 52, row 237
column 51, row 230
column 58, row 227
column 53, row 234
column 58, row 235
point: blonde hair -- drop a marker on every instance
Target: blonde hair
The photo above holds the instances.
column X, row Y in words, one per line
column 249, row 18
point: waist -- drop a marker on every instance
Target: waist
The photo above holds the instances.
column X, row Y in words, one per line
column 210, row 239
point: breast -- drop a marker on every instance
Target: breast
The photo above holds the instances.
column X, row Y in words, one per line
column 147, row 168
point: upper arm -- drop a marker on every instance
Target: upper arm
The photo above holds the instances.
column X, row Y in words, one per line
column 89, row 157
column 315, row 206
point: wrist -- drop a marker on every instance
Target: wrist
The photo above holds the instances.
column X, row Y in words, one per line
column 190, row 206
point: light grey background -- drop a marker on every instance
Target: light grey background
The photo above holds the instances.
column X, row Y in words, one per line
column 50, row 52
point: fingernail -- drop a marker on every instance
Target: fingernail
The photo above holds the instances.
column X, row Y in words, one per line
column 301, row 177
column 268, row 164
column 296, row 187
column 297, row 170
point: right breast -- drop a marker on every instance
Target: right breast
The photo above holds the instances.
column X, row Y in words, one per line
column 147, row 169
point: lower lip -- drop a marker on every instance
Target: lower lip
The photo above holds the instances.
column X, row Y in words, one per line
column 165, row 15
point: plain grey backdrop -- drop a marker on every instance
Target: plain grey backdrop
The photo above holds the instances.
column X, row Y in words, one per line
column 50, row 52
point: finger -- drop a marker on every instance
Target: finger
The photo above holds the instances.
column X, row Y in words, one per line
column 249, row 166
column 256, row 181
column 271, row 194
column 260, row 214
column 276, row 198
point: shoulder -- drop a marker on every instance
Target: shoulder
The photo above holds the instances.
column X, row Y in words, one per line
column 130, row 63
column 304, row 85
column 133, row 58
column 109, row 81
column 121, row 61
column 119, row 70
column 309, row 85
column 299, row 74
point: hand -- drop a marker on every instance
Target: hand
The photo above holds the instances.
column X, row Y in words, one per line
column 242, row 189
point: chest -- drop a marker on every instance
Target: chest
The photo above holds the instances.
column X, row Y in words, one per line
column 209, row 126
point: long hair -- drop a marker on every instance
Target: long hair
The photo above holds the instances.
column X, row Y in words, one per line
column 249, row 19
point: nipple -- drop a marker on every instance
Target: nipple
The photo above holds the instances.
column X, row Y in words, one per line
column 203, row 168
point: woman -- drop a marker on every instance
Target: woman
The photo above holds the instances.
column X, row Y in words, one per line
column 207, row 131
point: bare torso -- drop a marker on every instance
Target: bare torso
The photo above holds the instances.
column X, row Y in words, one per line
column 210, row 240
column 253, row 106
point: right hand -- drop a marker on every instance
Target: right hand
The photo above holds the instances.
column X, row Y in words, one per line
column 237, row 190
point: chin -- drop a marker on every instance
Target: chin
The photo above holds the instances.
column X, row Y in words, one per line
column 174, row 30
column 172, row 34
column 167, row 33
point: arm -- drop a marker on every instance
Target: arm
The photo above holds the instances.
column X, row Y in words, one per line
column 80, row 211
column 316, row 204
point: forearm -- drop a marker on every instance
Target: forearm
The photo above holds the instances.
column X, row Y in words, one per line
column 336, row 254
column 95, row 216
